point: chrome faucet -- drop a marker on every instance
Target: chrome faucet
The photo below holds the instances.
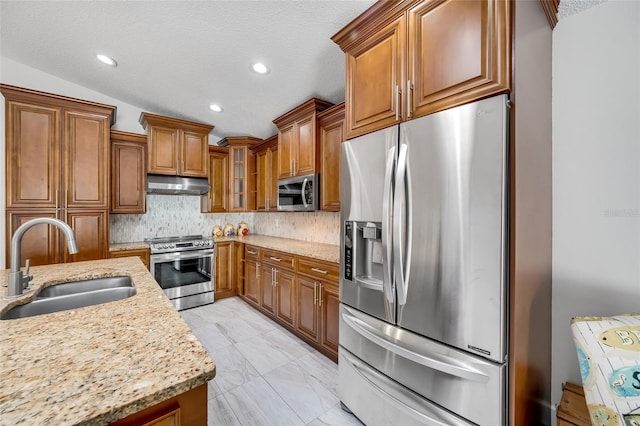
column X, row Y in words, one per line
column 18, row 281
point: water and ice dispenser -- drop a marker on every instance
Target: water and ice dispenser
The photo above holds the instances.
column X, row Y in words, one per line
column 363, row 253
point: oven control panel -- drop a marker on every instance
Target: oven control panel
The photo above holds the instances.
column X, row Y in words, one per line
column 164, row 247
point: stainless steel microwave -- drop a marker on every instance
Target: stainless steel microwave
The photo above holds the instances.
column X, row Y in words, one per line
column 299, row 193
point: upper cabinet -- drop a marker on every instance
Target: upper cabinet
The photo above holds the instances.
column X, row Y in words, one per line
column 408, row 59
column 176, row 147
column 242, row 177
column 217, row 199
column 330, row 138
column 57, row 150
column 266, row 155
column 297, row 134
column 128, row 172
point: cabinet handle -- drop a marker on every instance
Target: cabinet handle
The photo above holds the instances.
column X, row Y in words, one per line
column 252, row 252
column 277, row 259
column 320, row 296
column 409, row 90
column 290, row 167
column 397, row 102
column 320, row 271
column 315, row 293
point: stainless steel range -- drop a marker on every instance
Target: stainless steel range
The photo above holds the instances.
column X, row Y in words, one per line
column 183, row 266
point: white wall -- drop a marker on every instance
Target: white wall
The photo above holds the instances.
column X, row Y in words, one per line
column 596, row 173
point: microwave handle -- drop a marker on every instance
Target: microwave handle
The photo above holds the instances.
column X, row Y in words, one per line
column 304, row 198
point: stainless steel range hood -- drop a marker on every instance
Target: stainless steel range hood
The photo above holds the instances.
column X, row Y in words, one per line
column 177, row 185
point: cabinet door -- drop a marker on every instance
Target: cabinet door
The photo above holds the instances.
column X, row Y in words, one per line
column 194, row 154
column 163, row 150
column 33, row 156
column 39, row 244
column 238, row 179
column 305, row 147
column 238, row 270
column 272, row 182
column 285, row 296
column 252, row 281
column 267, row 299
column 307, row 318
column 225, row 284
column 128, row 177
column 331, row 137
column 92, row 236
column 217, row 198
column 329, row 313
column 86, row 160
column 262, row 160
column 458, row 52
column 375, row 72
column 286, row 141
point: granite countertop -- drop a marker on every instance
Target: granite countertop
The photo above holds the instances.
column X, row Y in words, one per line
column 326, row 252
column 97, row 364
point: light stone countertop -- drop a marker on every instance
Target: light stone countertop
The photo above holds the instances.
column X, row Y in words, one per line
column 326, row 252
column 97, row 364
column 136, row 245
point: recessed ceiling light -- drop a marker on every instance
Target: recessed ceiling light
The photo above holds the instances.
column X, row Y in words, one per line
column 107, row 60
column 260, row 68
column 216, row 108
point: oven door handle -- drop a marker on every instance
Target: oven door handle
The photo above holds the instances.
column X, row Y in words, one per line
column 166, row 257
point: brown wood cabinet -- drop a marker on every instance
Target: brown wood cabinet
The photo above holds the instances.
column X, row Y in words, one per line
column 217, row 199
column 143, row 254
column 176, row 147
column 188, row 408
column 298, row 292
column 297, row 135
column 225, row 270
column 252, row 279
column 317, row 316
column 411, row 58
column 57, row 165
column 330, row 138
column 266, row 154
column 128, row 172
column 241, row 172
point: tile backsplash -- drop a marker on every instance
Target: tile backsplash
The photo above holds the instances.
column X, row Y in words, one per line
column 171, row 215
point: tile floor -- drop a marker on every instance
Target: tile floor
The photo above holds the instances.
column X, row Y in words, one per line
column 265, row 375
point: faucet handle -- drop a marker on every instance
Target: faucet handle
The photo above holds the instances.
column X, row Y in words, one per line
column 27, row 276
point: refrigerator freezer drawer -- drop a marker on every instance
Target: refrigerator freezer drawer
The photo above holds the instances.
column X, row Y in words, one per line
column 377, row 400
column 463, row 383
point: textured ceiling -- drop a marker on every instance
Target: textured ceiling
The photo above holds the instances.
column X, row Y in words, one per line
column 571, row 7
column 177, row 57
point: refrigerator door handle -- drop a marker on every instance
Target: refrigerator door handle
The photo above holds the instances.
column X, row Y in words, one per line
column 387, row 205
column 447, row 366
column 402, row 194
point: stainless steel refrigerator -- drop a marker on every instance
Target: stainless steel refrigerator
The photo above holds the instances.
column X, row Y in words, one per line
column 424, row 269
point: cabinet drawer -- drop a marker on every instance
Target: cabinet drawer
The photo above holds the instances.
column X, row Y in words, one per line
column 251, row 253
column 318, row 269
column 278, row 258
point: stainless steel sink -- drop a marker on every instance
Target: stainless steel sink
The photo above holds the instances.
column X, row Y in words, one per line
column 73, row 295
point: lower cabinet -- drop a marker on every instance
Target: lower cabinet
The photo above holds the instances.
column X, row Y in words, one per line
column 143, row 254
column 188, row 408
column 225, row 265
column 298, row 292
column 252, row 271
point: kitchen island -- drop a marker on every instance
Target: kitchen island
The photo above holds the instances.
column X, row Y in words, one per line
column 98, row 364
